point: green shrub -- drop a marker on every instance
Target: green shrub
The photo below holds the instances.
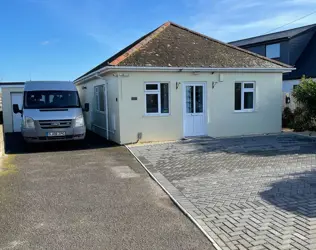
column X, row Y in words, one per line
column 305, row 114
column 287, row 117
column 302, row 120
column 305, row 94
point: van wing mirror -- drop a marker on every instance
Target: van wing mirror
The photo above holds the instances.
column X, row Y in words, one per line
column 86, row 107
column 16, row 109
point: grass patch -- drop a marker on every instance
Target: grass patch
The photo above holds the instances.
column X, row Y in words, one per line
column 6, row 166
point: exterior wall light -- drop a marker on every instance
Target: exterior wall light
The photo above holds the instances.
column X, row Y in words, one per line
column 177, row 84
column 214, row 84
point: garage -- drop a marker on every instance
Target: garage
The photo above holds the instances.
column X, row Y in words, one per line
column 12, row 93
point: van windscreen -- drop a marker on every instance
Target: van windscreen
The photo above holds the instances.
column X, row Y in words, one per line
column 51, row 99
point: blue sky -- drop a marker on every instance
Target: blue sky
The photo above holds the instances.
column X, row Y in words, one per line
column 62, row 39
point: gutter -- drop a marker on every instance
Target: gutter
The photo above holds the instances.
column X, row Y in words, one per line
column 107, row 69
column 11, row 86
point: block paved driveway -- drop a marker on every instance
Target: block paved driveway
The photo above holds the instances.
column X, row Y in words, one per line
column 246, row 193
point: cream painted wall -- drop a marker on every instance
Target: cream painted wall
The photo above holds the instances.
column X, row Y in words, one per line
column 221, row 118
column 7, row 107
column 97, row 118
column 224, row 121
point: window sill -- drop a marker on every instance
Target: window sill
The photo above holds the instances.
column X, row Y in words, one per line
column 156, row 115
column 245, row 111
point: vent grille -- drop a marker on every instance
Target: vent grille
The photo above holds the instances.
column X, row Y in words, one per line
column 55, row 124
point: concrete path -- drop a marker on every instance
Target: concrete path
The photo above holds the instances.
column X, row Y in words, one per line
column 246, row 193
column 90, row 195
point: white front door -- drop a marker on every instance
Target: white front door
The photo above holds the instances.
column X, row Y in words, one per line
column 16, row 98
column 194, row 109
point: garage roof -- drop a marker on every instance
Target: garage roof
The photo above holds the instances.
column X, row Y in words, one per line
column 2, row 84
column 172, row 45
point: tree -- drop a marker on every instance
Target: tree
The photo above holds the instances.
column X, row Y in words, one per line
column 305, row 95
column 305, row 114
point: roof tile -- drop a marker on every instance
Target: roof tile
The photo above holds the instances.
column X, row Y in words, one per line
column 181, row 47
column 172, row 45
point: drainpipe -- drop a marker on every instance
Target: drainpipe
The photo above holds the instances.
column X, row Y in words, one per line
column 106, row 105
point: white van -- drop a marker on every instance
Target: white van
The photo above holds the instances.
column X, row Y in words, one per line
column 51, row 111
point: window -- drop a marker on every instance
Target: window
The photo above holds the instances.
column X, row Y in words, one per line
column 51, row 99
column 273, row 50
column 157, row 98
column 244, row 96
column 100, row 98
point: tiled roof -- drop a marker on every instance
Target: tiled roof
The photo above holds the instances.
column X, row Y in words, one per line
column 172, row 45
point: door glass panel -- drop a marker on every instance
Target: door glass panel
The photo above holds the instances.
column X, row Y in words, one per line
column 199, row 99
column 189, row 99
column 101, row 98
column 164, row 96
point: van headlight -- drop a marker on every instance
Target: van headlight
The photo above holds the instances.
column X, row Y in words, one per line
column 79, row 121
column 28, row 122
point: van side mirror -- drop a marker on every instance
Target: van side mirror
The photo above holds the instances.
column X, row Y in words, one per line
column 86, row 107
column 16, row 109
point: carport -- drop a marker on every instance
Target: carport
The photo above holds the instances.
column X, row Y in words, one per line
column 12, row 93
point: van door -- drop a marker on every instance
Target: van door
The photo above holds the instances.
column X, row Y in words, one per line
column 16, row 98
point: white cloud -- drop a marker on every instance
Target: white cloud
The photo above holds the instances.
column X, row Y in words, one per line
column 45, row 42
column 88, row 18
column 229, row 20
column 115, row 41
column 312, row 2
column 39, row 1
column 48, row 42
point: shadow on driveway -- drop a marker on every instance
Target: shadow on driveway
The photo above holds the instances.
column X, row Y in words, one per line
column 292, row 190
column 261, row 146
column 14, row 144
column 295, row 193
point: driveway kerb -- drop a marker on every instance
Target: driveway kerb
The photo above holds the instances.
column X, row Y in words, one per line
column 178, row 198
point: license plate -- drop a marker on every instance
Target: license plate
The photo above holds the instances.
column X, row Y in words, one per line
column 55, row 133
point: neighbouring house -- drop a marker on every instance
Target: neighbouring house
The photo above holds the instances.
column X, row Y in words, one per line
column 295, row 47
column 12, row 93
column 174, row 83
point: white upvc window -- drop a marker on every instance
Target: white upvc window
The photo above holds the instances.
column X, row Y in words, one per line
column 273, row 50
column 157, row 98
column 244, row 96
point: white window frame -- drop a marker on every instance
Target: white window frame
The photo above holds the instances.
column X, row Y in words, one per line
column 273, row 44
column 158, row 92
column 96, row 90
column 247, row 90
